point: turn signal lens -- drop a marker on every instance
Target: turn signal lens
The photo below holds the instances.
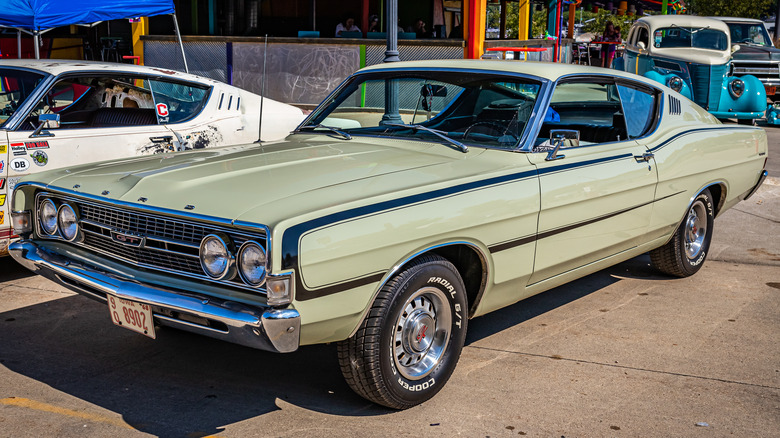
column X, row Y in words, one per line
column 215, row 258
column 279, row 289
column 20, row 221
column 251, row 263
column 68, row 222
column 48, row 216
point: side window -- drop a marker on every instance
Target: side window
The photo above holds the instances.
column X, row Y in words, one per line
column 632, row 36
column 97, row 102
column 592, row 108
column 643, row 37
column 177, row 102
column 639, row 106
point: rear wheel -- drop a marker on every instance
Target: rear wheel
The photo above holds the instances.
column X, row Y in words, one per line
column 407, row 347
column 684, row 254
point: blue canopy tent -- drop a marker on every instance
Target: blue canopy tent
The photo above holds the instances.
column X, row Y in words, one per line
column 36, row 17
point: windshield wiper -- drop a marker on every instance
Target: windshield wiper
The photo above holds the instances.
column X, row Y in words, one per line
column 462, row 147
column 330, row 128
column 691, row 31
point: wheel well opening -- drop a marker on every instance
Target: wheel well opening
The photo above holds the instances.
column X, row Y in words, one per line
column 717, row 192
column 471, row 267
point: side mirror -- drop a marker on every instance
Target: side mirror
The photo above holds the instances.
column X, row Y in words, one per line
column 734, row 48
column 641, row 46
column 428, row 91
column 562, row 138
column 48, row 121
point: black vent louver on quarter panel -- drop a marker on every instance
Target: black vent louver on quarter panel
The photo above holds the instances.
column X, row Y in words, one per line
column 675, row 107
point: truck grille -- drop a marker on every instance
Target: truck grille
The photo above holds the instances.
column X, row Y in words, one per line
column 707, row 84
column 170, row 244
column 765, row 72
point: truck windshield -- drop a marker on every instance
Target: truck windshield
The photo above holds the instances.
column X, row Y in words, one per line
column 749, row 33
column 15, row 87
column 690, row 37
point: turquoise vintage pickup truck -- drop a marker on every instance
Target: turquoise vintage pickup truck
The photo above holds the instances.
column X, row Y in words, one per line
column 417, row 196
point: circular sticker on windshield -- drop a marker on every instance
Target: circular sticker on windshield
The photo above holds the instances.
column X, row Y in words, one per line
column 20, row 164
column 40, row 158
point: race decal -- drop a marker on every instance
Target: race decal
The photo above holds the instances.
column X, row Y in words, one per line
column 12, row 182
column 40, row 158
column 18, row 150
column 20, row 164
column 3, row 148
column 43, row 144
column 2, row 165
column 2, row 200
column 162, row 110
column 2, row 217
column 2, row 183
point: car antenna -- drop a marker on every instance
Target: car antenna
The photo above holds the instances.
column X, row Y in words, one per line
column 262, row 91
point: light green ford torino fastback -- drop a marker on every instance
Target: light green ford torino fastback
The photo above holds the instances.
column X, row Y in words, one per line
column 417, row 196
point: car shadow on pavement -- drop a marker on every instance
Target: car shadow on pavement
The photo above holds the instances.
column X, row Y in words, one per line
column 188, row 385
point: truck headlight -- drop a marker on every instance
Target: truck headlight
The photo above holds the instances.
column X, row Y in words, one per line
column 68, row 222
column 215, row 257
column 737, row 88
column 676, row 83
column 48, row 216
column 251, row 263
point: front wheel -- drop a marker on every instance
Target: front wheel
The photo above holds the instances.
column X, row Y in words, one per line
column 407, row 347
column 684, row 254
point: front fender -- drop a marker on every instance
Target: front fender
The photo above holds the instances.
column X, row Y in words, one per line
column 750, row 105
column 664, row 79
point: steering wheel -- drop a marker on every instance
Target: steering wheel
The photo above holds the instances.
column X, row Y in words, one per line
column 500, row 129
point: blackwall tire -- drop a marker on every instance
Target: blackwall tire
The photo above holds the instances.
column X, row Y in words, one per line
column 685, row 253
column 409, row 344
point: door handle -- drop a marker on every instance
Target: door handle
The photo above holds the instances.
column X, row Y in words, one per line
column 644, row 157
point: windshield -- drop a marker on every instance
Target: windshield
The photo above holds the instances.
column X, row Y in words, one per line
column 749, row 33
column 690, row 37
column 15, row 87
column 452, row 108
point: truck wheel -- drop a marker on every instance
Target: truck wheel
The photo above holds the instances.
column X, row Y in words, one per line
column 407, row 347
column 684, row 254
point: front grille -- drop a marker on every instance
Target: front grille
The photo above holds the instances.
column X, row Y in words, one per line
column 759, row 70
column 170, row 243
column 707, row 84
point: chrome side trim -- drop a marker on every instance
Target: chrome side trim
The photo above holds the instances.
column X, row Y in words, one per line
column 397, row 268
column 264, row 328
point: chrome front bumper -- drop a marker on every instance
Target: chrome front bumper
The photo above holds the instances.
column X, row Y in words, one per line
column 264, row 328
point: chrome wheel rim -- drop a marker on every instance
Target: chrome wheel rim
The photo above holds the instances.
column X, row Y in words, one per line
column 695, row 229
column 422, row 333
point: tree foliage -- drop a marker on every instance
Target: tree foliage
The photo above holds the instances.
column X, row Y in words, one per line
column 732, row 8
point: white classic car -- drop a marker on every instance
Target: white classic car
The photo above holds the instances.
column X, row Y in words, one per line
column 61, row 113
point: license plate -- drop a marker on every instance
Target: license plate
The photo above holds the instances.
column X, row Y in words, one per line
column 131, row 315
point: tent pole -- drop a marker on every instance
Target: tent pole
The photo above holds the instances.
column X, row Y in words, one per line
column 36, row 40
column 178, row 34
column 18, row 43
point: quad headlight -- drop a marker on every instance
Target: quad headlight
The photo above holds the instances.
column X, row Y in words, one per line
column 215, row 257
column 252, row 263
column 47, row 215
column 68, row 222
column 737, row 87
column 676, row 83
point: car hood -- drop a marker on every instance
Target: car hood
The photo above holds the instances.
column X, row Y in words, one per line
column 754, row 52
column 273, row 181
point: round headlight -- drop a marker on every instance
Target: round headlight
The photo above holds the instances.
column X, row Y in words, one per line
column 215, row 257
column 68, row 222
column 737, row 87
column 251, row 263
column 676, row 83
column 48, row 216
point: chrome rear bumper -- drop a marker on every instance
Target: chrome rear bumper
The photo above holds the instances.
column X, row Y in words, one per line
column 264, row 328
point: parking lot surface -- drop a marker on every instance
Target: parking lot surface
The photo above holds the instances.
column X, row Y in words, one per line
column 623, row 352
